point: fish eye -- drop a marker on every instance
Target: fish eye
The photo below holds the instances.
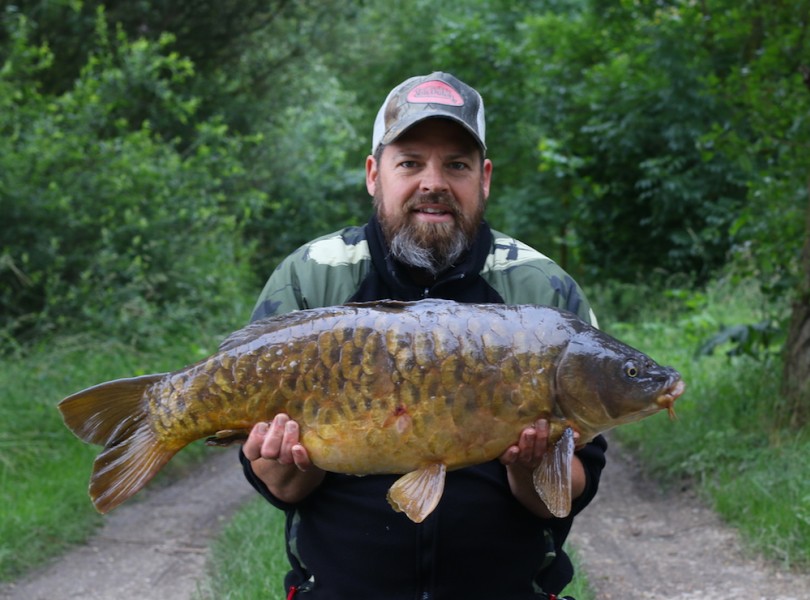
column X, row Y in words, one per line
column 631, row 370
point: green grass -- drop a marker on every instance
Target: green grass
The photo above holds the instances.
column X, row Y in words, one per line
column 44, row 469
column 249, row 559
column 579, row 588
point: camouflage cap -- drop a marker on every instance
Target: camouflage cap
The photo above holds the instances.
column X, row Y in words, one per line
column 438, row 95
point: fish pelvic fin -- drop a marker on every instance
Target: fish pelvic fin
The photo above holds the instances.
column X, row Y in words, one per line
column 418, row 493
column 552, row 478
column 227, row 437
column 114, row 415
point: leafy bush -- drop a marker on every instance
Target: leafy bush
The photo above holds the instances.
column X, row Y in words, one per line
column 106, row 223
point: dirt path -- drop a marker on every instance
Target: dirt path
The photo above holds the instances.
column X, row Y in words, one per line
column 638, row 543
column 635, row 542
column 148, row 550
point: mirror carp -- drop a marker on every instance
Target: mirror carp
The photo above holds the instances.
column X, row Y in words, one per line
column 412, row 388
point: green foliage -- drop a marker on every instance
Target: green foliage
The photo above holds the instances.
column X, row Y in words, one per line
column 767, row 131
column 624, row 109
column 310, row 190
column 747, row 339
column 106, row 223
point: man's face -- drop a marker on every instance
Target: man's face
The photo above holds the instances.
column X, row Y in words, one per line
column 430, row 191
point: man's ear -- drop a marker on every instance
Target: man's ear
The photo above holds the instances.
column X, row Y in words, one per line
column 486, row 177
column 371, row 174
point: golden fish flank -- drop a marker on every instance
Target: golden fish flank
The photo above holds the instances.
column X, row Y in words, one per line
column 387, row 387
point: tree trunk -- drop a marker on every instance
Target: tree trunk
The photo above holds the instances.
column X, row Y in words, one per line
column 796, row 374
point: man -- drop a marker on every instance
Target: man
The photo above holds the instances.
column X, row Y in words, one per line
column 491, row 537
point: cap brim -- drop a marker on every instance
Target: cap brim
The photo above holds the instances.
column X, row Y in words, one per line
column 405, row 124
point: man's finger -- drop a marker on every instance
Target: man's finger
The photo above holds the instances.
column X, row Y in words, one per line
column 252, row 447
column 288, row 440
column 301, row 457
column 271, row 448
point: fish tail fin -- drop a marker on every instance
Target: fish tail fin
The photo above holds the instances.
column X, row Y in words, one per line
column 115, row 415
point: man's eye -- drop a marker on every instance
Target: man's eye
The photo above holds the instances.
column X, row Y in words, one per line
column 458, row 166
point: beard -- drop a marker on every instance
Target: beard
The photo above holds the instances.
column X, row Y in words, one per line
column 431, row 247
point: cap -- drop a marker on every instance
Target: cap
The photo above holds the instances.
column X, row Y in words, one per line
column 438, row 95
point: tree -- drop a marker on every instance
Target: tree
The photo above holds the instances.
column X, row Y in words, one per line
column 796, row 380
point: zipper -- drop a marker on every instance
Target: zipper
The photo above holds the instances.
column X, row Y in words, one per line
column 427, row 542
column 426, row 292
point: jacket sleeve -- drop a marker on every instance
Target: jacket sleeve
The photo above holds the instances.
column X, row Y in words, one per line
column 325, row 272
column 282, row 292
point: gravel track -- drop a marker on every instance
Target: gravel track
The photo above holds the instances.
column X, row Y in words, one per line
column 638, row 542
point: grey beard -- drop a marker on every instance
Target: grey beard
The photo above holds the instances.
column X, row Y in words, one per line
column 406, row 249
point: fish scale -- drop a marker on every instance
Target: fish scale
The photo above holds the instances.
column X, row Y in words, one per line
column 391, row 387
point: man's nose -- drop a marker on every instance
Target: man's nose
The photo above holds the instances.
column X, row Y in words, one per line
column 433, row 178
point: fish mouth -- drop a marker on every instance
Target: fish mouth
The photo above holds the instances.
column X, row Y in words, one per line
column 667, row 398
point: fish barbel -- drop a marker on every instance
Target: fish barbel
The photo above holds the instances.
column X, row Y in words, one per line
column 412, row 388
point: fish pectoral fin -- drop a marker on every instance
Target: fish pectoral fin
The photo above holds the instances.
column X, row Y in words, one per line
column 226, row 437
column 552, row 478
column 417, row 493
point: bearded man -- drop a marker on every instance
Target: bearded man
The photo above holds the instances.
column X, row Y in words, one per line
column 491, row 537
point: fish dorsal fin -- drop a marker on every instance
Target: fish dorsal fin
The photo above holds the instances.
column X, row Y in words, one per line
column 383, row 305
column 257, row 329
column 552, row 478
column 417, row 493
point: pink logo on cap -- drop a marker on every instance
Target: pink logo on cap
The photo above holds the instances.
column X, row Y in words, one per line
column 435, row 92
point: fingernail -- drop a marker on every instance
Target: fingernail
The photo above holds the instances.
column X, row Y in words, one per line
column 261, row 428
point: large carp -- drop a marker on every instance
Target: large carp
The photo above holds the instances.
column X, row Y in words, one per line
column 385, row 387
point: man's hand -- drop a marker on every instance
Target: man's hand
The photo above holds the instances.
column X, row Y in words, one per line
column 278, row 441
column 532, row 445
column 279, row 459
column 523, row 458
